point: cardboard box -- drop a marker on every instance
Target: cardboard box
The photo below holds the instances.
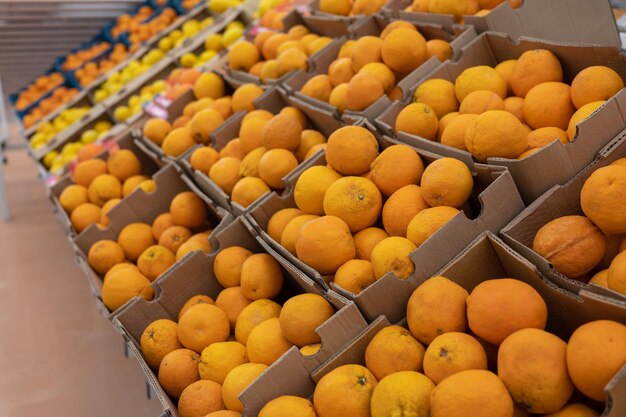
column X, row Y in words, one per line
column 315, row 18
column 194, row 276
column 292, row 19
column 579, row 21
column 122, row 141
column 532, row 175
column 560, row 200
column 373, row 26
column 494, row 202
column 140, row 207
column 273, row 100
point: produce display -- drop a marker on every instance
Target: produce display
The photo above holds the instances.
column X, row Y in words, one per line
column 279, row 239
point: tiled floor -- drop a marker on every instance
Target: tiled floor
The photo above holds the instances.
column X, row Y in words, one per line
column 58, row 355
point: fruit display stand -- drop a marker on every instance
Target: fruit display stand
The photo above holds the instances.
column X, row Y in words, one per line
column 534, row 18
column 139, row 207
column 195, row 276
column 457, row 37
column 486, row 258
column 530, row 174
column 273, row 100
column 494, row 202
column 565, row 200
column 123, row 139
column 319, row 19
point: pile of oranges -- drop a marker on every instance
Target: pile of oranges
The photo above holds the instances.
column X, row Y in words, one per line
column 92, row 70
column 78, row 59
column 39, row 88
column 59, row 97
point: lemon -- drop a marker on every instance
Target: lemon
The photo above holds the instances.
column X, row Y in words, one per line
column 213, row 42
column 166, row 44
column 231, row 36
column 206, row 56
column 188, row 60
column 89, row 136
column 48, row 160
column 190, row 28
column 159, row 86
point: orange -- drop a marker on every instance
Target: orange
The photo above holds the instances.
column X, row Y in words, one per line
column 438, row 94
column 251, row 133
column 250, row 163
column 580, row 116
column 261, row 277
column 363, row 90
column 615, row 278
column 174, row 237
column 418, row 119
column 546, row 135
column 232, row 149
column 496, row 133
column 366, row 49
column 279, row 220
column 266, row 343
column 505, row 69
column 232, row 301
column 89, row 151
column 103, row 188
column 157, row 340
column 242, row 56
column 342, row 7
column 302, row 315
column 312, row 244
column 200, row 398
column 178, row 370
column 595, row 354
column 318, row 87
column 296, row 114
column 428, row 222
column 548, row 105
column 237, row 380
column 311, row 187
column 202, row 325
column 497, row 308
column 455, row 7
column 542, row 384
column 196, row 299
column 86, row 171
column 224, row 413
column 219, row 359
column 228, row 264
column 178, row 141
column 438, row 48
column 84, row 216
column 480, row 101
column 105, row 254
column 453, row 352
column 132, row 183
column 154, row 261
column 436, row 307
column 345, row 391
column 515, row 106
column 253, row 314
column 123, row 164
column 248, row 190
column 310, row 350
column 572, row 244
column 314, row 150
column 244, row 96
column 122, row 285
column 396, row 167
column 535, row 67
column 355, row 275
column 400, row 392
column 393, row 349
column 602, row 198
column 393, row 255
column 454, row 133
column 73, row 196
column 366, row 240
column 225, row 173
column 291, row 231
column 600, row 278
column 396, row 24
column 403, row 50
column 471, row 393
column 354, row 200
column 308, row 140
column 204, row 123
column 595, row 83
column 192, row 245
column 381, row 72
column 208, row 85
column 188, row 210
column 477, row 78
column 276, row 164
column 288, row 406
column 447, row 182
column 282, row 131
column 574, row 410
column 135, row 238
column 340, row 71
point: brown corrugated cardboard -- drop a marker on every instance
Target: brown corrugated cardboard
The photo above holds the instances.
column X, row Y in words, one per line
column 494, row 202
column 292, row 19
column 373, row 26
column 561, row 200
column 273, row 100
column 194, row 276
column 487, row 257
column 575, row 21
column 123, row 141
column 141, row 207
column 555, row 163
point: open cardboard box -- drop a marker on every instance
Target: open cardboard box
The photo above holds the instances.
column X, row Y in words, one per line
column 141, row 207
column 194, row 275
column 555, row 163
column 123, row 141
column 317, row 19
column 579, row 21
column 237, row 77
column 487, row 257
column 273, row 101
column 560, row 200
column 494, row 202
column 373, row 26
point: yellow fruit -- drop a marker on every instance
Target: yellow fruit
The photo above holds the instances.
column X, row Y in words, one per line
column 225, row 173
column 418, row 119
column 393, row 349
column 447, row 182
column 228, row 263
column 248, row 190
column 340, row 71
column 355, row 200
column 439, row 95
column 480, row 101
column 583, row 113
column 155, row 260
column 266, row 343
column 318, row 87
column 178, row 141
column 244, row 96
column 204, row 123
column 595, row 83
column 402, row 391
column 345, row 391
column 238, row 380
column 254, row 314
column 209, row 85
column 242, row 56
column 274, row 165
column 232, row 301
column 73, row 196
column 288, row 406
column 496, row 133
column 291, row 232
column 366, row 49
column 218, row 359
column 392, row 255
column 308, row 139
column 427, row 222
column 302, row 315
